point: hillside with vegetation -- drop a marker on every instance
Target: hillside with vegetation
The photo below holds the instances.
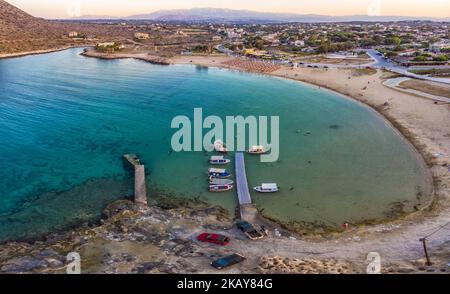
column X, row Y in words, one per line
column 22, row 32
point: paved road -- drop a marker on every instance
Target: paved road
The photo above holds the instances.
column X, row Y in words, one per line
column 393, row 83
column 379, row 62
column 382, row 63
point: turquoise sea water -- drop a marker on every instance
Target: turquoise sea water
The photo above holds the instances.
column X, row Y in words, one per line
column 66, row 120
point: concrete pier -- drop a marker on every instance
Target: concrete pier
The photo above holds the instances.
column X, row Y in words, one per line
column 241, row 180
column 140, row 185
column 247, row 210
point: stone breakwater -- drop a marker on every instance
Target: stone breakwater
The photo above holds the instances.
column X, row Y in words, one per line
column 91, row 52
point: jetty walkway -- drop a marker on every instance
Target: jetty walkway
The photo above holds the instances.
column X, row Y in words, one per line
column 140, row 186
column 247, row 210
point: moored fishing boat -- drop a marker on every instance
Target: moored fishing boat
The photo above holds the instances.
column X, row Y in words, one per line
column 256, row 150
column 218, row 173
column 219, row 160
column 220, row 188
column 214, row 181
column 219, row 146
column 267, row 188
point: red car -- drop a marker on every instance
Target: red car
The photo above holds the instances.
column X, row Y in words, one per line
column 214, row 238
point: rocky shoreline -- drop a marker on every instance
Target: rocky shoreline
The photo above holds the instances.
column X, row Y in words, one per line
column 90, row 52
column 39, row 52
column 122, row 223
column 136, row 240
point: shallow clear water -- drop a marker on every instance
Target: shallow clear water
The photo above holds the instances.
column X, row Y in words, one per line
column 66, row 120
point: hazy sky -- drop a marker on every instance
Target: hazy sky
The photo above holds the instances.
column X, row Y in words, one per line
column 66, row 8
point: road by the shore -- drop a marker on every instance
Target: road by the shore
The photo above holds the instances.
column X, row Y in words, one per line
column 382, row 63
column 395, row 84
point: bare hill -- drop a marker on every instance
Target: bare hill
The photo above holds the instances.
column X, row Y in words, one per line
column 22, row 32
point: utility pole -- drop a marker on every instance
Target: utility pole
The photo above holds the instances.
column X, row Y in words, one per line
column 424, row 242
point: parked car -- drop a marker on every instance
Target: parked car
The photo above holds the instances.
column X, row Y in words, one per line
column 228, row 261
column 214, row 239
column 249, row 230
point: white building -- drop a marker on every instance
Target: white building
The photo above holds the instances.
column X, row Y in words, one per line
column 437, row 47
column 141, row 36
column 299, row 43
column 106, row 44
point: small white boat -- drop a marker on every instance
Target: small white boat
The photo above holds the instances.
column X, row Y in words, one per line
column 220, row 188
column 219, row 160
column 219, row 146
column 256, row 150
column 214, row 181
column 267, row 188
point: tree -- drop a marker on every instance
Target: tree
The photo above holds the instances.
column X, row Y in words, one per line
column 312, row 41
column 259, row 44
column 324, row 46
column 256, row 42
column 391, row 54
column 421, row 58
column 394, row 41
column 200, row 49
column 440, row 58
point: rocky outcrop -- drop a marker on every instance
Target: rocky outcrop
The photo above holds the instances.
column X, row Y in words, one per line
column 128, row 240
column 91, row 52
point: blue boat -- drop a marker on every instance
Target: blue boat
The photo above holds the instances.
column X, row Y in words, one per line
column 218, row 173
column 219, row 160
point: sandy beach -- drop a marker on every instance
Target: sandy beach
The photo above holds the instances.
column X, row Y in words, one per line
column 425, row 124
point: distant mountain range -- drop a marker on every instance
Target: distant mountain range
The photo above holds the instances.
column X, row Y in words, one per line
column 218, row 15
